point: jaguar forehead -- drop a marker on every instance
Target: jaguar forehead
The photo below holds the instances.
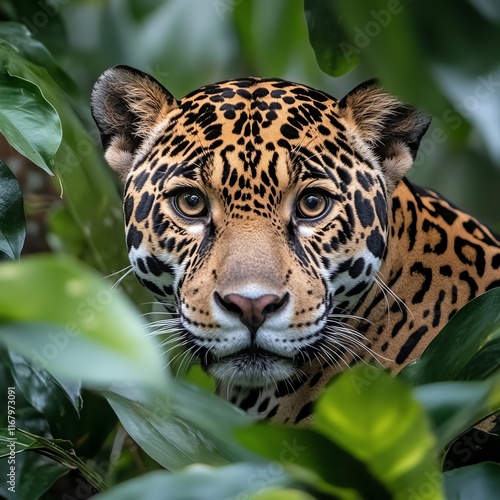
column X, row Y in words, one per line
column 244, row 139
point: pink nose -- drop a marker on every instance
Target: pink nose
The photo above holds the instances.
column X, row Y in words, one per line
column 253, row 312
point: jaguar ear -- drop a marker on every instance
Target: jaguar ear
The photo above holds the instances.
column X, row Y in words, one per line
column 391, row 129
column 127, row 104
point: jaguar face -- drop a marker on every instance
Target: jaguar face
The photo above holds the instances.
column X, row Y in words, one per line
column 255, row 211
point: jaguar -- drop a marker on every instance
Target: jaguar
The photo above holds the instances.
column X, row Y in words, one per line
column 275, row 224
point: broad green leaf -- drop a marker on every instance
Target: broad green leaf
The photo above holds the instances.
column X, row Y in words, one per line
column 59, row 401
column 183, row 427
column 483, row 363
column 340, row 472
column 377, row 420
column 481, row 481
column 466, row 348
column 454, row 407
column 92, row 334
column 199, row 482
column 333, row 54
column 28, row 121
column 57, row 449
column 12, row 222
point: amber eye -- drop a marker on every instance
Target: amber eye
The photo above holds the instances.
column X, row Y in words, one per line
column 191, row 204
column 312, row 205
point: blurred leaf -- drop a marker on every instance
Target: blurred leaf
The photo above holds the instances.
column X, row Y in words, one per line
column 460, row 349
column 455, row 64
column 454, row 407
column 284, row 494
column 200, row 483
column 90, row 193
column 28, row 121
column 183, row 427
column 93, row 334
column 12, row 222
column 57, row 449
column 347, row 476
column 378, row 421
column 481, row 481
column 327, row 38
column 64, row 236
column 197, row 376
column 272, row 37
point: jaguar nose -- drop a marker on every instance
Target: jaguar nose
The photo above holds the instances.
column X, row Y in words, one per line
column 252, row 312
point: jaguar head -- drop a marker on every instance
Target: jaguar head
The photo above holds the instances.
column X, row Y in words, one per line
column 256, row 211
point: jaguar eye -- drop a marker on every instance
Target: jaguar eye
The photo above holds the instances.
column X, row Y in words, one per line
column 312, row 204
column 191, row 204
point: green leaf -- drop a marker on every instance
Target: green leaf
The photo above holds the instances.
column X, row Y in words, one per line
column 377, row 420
column 455, row 407
column 13, row 441
column 56, row 449
column 483, row 363
column 59, row 401
column 200, row 483
column 327, row 39
column 481, row 481
column 28, row 121
column 284, row 494
column 345, row 475
column 38, row 386
column 92, row 334
column 12, row 222
column 35, row 474
column 183, row 427
column 462, row 347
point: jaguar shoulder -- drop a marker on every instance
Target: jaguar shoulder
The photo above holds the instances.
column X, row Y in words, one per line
column 274, row 223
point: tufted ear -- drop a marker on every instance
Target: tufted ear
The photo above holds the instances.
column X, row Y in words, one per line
column 389, row 128
column 127, row 104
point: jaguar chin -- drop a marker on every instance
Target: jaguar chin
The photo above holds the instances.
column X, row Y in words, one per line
column 251, row 368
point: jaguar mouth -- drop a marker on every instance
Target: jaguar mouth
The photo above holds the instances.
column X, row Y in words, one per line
column 250, row 368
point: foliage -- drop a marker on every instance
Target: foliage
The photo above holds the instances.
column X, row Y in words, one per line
column 77, row 357
column 12, row 228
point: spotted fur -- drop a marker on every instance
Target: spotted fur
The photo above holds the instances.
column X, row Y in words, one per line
column 219, row 191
